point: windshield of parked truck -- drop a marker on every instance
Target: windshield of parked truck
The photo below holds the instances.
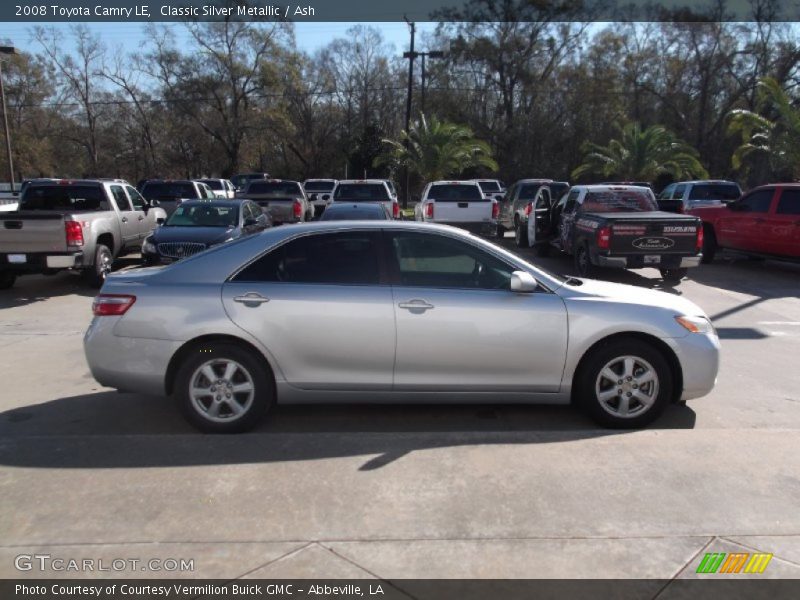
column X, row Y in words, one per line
column 319, row 186
column 619, row 201
column 168, row 190
column 214, row 184
column 275, row 188
column 64, row 197
column 361, row 192
column 715, row 191
column 453, row 192
column 489, row 186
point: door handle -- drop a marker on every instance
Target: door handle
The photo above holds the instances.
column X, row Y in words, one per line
column 141, row 218
column 251, row 299
column 416, row 304
column 124, row 219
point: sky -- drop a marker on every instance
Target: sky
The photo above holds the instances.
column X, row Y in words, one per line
column 310, row 36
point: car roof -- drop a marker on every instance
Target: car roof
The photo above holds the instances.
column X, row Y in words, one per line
column 455, row 182
column 65, row 181
column 323, row 179
column 219, row 202
column 536, row 181
column 271, row 180
column 169, row 181
column 602, row 187
column 706, row 181
column 362, row 181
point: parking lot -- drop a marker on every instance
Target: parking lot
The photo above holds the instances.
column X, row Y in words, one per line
column 406, row 491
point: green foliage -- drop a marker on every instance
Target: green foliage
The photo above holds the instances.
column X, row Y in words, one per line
column 772, row 131
column 435, row 149
column 641, row 155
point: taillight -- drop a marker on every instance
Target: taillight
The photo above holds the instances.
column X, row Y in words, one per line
column 699, row 244
column 395, row 210
column 112, row 305
column 604, row 238
column 429, row 210
column 495, row 209
column 528, row 208
column 298, row 209
column 74, row 233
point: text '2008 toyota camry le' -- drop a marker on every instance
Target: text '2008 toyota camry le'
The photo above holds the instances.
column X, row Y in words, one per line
column 391, row 312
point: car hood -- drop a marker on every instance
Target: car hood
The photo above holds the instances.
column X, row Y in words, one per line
column 592, row 289
column 203, row 235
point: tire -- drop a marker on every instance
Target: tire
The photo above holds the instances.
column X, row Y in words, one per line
column 709, row 245
column 674, row 275
column 96, row 274
column 643, row 407
column 520, row 235
column 250, row 404
column 7, row 279
column 543, row 250
column 501, row 232
column 583, row 261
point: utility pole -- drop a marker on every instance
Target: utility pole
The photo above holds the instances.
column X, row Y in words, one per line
column 410, row 55
column 7, row 50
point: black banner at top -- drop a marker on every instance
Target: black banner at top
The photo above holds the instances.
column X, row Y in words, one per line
column 394, row 10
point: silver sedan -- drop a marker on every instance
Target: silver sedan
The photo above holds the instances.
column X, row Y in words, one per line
column 391, row 312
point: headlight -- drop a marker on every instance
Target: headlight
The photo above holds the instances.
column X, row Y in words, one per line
column 149, row 247
column 695, row 324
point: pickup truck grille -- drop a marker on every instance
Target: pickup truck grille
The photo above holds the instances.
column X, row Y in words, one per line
column 180, row 249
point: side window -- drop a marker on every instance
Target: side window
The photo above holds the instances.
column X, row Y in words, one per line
column 120, row 199
column 136, row 198
column 347, row 258
column 570, row 204
column 757, row 202
column 666, row 193
column 425, row 260
column 678, row 194
column 789, row 202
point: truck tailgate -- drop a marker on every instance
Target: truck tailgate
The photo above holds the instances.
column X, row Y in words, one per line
column 644, row 233
column 475, row 211
column 32, row 231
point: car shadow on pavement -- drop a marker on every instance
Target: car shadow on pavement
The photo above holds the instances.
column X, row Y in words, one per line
column 31, row 289
column 113, row 430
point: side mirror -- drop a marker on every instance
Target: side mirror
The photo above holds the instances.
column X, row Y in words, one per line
column 523, row 282
column 154, row 202
column 250, row 222
column 160, row 221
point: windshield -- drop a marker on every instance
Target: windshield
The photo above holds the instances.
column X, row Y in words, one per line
column 60, row 197
column 528, row 191
column 619, row 201
column 361, row 192
column 319, row 186
column 276, row 188
column 715, row 191
column 203, row 215
column 168, row 190
column 489, row 186
column 214, row 184
column 453, row 192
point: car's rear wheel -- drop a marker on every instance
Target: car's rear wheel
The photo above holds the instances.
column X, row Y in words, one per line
column 222, row 388
column 624, row 384
column 674, row 275
column 709, row 244
column 520, row 234
column 7, row 279
column 583, row 261
column 103, row 259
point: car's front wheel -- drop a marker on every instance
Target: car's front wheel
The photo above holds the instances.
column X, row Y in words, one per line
column 583, row 261
column 520, row 234
column 222, row 388
column 624, row 384
column 7, row 279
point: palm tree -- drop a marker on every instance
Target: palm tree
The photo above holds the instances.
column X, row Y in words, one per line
column 774, row 133
column 436, row 149
column 641, row 155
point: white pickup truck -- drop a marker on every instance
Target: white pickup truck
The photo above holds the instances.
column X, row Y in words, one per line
column 458, row 203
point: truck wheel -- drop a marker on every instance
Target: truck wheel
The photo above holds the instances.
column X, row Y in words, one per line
column 501, row 232
column 709, row 245
column 520, row 235
column 223, row 388
column 97, row 273
column 583, row 261
column 543, row 250
column 624, row 384
column 7, row 279
column 674, row 275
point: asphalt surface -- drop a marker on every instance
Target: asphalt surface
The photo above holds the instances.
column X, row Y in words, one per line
column 405, row 491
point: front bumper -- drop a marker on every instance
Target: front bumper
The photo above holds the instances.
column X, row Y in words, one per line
column 699, row 357
column 41, row 261
column 666, row 261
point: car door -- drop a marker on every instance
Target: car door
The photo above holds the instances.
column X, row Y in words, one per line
column 145, row 221
column 744, row 225
column 129, row 221
column 459, row 327
column 566, row 220
column 319, row 304
column 783, row 225
column 539, row 219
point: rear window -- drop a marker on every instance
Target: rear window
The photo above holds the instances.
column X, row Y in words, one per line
column 528, row 191
column 160, row 191
column 361, row 192
column 61, row 197
column 278, row 188
column 558, row 189
column 364, row 213
column 450, row 192
column 714, row 191
column 489, row 186
column 619, row 201
column 214, row 184
column 319, row 186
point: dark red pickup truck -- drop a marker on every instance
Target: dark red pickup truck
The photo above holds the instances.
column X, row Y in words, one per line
column 763, row 222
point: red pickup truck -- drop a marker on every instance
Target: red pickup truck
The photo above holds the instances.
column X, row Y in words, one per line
column 763, row 222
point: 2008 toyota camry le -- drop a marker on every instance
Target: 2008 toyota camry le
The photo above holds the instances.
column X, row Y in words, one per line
column 387, row 311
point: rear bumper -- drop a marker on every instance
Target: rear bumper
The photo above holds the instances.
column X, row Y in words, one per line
column 637, row 262
column 41, row 261
column 484, row 228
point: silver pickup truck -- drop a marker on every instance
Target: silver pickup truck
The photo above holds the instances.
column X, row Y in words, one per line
column 82, row 225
